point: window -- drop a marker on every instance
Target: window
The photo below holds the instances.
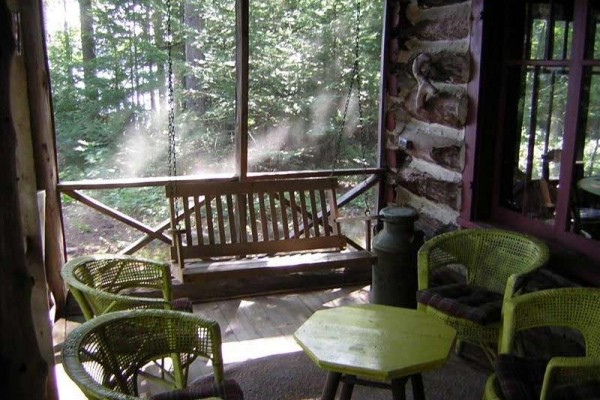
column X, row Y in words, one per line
column 109, row 68
column 301, row 60
column 546, row 119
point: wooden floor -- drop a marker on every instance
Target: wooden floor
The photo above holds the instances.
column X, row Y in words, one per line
column 251, row 328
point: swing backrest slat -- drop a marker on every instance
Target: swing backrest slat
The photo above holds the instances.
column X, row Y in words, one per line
column 238, row 219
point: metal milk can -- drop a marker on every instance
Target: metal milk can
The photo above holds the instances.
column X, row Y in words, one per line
column 394, row 279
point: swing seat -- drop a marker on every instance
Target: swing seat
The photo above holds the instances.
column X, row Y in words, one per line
column 258, row 228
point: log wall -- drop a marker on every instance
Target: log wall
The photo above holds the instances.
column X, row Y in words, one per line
column 427, row 106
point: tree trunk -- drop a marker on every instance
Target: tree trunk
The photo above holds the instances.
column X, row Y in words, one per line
column 88, row 47
column 149, row 61
column 195, row 100
column 68, row 48
column 159, row 42
column 133, row 53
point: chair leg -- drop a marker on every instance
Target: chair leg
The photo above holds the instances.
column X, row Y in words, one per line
column 458, row 346
column 489, row 353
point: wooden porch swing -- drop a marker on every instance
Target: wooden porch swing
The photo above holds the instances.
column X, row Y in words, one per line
column 267, row 227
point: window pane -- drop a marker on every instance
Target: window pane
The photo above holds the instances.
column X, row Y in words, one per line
column 592, row 44
column 550, row 25
column 585, row 199
column 207, row 122
column 206, row 88
column 301, row 63
column 109, row 69
column 534, row 139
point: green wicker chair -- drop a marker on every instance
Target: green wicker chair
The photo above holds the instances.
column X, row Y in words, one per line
column 487, row 257
column 107, row 355
column 107, row 282
column 563, row 377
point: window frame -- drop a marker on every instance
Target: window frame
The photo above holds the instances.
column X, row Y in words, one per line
column 483, row 134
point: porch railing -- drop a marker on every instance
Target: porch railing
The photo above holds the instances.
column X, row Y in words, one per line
column 73, row 189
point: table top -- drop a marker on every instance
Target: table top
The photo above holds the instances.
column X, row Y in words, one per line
column 590, row 184
column 375, row 341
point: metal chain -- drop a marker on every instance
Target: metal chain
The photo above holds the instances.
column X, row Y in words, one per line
column 363, row 133
column 171, row 97
column 171, row 107
column 355, row 77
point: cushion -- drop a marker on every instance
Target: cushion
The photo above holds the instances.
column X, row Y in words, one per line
column 182, row 304
column 547, row 342
column 463, row 301
column 520, row 378
column 586, row 391
column 204, row 389
column 446, row 275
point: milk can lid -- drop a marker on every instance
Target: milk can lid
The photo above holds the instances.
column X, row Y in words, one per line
column 398, row 213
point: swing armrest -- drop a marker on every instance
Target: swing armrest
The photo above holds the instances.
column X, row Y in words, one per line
column 176, row 231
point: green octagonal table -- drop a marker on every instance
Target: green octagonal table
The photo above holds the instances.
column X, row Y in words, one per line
column 375, row 345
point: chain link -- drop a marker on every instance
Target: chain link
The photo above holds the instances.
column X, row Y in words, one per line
column 363, row 136
column 363, row 132
column 171, row 97
column 171, row 110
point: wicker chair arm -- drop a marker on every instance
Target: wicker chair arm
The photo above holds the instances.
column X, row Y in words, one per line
column 423, row 268
column 575, row 308
column 430, row 257
column 171, row 332
column 93, row 390
column 107, row 282
column 489, row 256
column 515, row 283
column 77, row 372
column 127, row 302
column 155, row 273
column 569, row 371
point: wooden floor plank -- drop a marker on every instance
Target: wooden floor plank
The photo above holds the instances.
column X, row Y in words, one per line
column 215, row 312
column 287, row 312
column 334, row 297
column 250, row 322
column 227, row 317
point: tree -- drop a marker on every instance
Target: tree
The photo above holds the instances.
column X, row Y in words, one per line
column 87, row 46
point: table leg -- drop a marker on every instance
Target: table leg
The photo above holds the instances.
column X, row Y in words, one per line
column 398, row 388
column 417, row 387
column 331, row 385
column 347, row 387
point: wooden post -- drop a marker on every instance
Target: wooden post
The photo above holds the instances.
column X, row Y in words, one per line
column 23, row 370
column 44, row 148
column 32, row 212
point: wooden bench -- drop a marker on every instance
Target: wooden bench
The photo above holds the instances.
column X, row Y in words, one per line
column 248, row 229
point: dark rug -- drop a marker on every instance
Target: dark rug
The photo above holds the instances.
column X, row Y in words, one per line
column 293, row 376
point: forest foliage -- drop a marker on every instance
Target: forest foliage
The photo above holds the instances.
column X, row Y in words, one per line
column 109, row 63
